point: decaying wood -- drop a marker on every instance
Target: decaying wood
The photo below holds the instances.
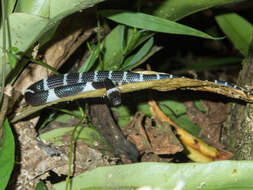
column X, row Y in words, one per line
column 103, row 121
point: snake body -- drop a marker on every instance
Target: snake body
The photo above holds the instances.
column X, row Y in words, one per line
column 63, row 85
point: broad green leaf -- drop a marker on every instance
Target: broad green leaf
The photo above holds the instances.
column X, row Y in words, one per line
column 58, row 9
column 221, row 175
column 152, row 23
column 84, row 133
column 7, row 155
column 237, row 29
column 49, row 34
column 26, row 28
column 36, row 7
column 64, row 117
column 23, row 36
column 10, row 5
column 176, row 10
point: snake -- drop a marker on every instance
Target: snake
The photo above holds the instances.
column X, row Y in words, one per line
column 63, row 85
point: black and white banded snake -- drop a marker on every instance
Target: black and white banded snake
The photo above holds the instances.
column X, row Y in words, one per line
column 56, row 87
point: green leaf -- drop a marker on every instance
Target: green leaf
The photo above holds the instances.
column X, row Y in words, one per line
column 222, row 175
column 87, row 134
column 237, row 29
column 21, row 34
column 128, row 65
column 45, row 65
column 65, row 115
column 58, row 9
column 7, row 155
column 12, row 59
column 26, row 28
column 151, row 52
column 176, row 10
column 152, row 23
column 10, row 6
column 13, row 49
column 199, row 106
column 112, row 53
column 176, row 111
column 123, row 115
column 122, row 29
column 36, row 7
column 91, row 60
column 41, row 186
